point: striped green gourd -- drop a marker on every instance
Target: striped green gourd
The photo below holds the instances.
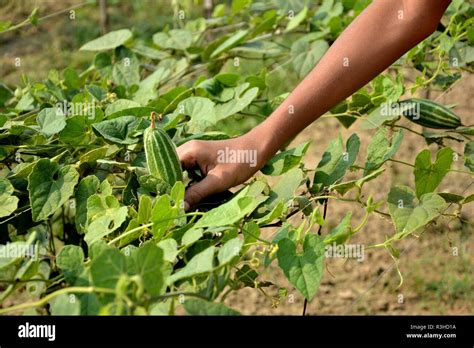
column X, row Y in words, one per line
column 161, row 156
column 430, row 114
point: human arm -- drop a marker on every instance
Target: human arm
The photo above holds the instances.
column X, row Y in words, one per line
column 382, row 33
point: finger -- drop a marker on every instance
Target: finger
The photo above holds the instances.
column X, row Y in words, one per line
column 188, row 155
column 209, row 185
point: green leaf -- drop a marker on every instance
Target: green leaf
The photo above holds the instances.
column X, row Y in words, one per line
column 22, row 170
column 170, row 249
column 378, row 117
column 147, row 88
column 296, row 20
column 10, row 254
column 229, row 250
column 33, row 17
column 72, row 79
column 177, row 192
column 97, row 92
column 242, row 99
column 468, row 199
column 469, row 155
column 202, row 307
column 201, row 111
column 285, row 189
column 139, row 111
column 344, row 187
column 451, row 197
column 408, row 215
column 464, row 130
column 126, row 240
column 4, row 25
column 381, row 150
column 176, row 39
column 51, row 121
column 70, row 260
column 306, row 55
column 276, row 212
column 436, row 137
column 153, row 184
column 199, row 264
column 286, row 160
column 50, row 187
column 113, row 110
column 392, row 90
column 163, row 215
column 107, row 268
column 160, row 308
column 36, row 288
column 149, row 265
column 104, row 216
column 247, row 276
column 9, row 202
column 231, row 42
column 328, row 10
column 97, row 248
column 303, row 270
column 229, row 80
column 5, row 95
column 102, row 60
column 75, row 131
column 429, row 175
column 141, row 48
column 232, row 211
column 239, row 5
column 126, row 72
column 191, row 236
column 144, row 209
column 341, row 232
column 87, row 187
column 108, row 41
column 65, row 304
column 336, row 161
column 121, row 130
column 25, row 103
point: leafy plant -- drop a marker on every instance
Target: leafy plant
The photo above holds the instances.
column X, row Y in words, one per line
column 108, row 237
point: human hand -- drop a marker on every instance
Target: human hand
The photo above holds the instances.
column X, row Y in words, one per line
column 223, row 163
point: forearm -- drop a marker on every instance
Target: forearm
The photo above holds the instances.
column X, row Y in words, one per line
column 371, row 43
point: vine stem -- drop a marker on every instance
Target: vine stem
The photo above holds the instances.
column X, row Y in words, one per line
column 27, row 22
column 133, row 230
column 47, row 298
column 345, row 114
column 294, row 212
column 408, row 129
column 411, row 165
column 401, row 162
column 18, row 213
column 326, row 201
column 362, row 223
column 461, row 171
column 16, row 281
column 373, row 246
column 177, row 294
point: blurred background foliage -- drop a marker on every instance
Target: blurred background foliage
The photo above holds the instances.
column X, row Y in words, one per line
column 55, row 41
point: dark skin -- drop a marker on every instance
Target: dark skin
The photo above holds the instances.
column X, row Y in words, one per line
column 380, row 35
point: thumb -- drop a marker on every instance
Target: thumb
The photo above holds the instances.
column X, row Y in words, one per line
column 209, row 185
